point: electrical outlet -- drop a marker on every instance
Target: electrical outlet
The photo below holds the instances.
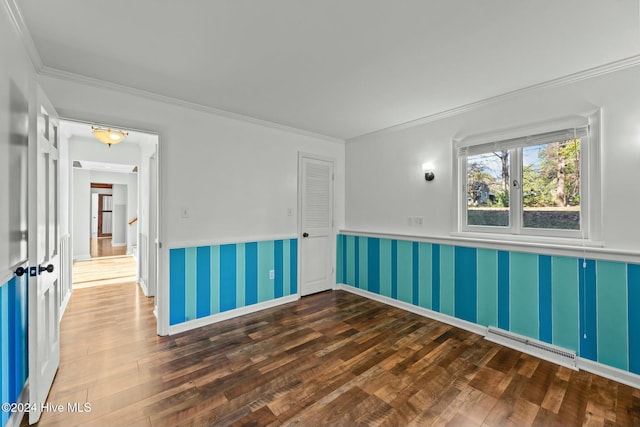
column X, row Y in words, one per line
column 272, row 274
column 289, row 211
column 418, row 220
column 410, row 221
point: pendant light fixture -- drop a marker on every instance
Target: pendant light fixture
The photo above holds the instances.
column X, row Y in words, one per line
column 109, row 136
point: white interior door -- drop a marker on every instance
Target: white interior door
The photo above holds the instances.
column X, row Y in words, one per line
column 316, row 219
column 44, row 316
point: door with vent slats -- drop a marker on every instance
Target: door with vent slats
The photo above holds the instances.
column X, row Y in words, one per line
column 316, row 225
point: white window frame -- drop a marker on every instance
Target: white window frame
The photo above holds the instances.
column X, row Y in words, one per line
column 515, row 139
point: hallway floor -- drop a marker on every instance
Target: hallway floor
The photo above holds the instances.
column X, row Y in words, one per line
column 104, row 271
column 103, row 246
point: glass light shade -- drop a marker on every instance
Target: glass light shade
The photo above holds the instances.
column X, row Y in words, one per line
column 109, row 136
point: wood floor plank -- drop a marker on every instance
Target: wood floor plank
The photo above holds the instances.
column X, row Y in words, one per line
column 328, row 359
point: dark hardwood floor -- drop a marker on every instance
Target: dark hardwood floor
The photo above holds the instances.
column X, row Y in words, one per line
column 330, row 359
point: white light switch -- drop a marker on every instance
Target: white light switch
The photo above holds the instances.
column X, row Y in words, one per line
column 272, row 274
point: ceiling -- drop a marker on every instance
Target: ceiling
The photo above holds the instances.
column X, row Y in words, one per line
column 104, row 167
column 340, row 68
column 82, row 131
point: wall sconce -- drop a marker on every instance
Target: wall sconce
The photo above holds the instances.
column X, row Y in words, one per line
column 427, row 168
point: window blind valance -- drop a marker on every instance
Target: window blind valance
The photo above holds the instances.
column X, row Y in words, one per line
column 525, row 141
column 564, row 128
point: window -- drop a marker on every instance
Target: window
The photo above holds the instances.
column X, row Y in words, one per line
column 537, row 184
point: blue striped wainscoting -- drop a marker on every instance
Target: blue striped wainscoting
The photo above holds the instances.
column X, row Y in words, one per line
column 13, row 338
column 206, row 280
column 589, row 306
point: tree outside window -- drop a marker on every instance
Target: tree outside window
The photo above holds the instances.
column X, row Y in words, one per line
column 546, row 186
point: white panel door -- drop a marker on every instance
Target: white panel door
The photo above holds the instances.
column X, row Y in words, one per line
column 44, row 244
column 316, row 243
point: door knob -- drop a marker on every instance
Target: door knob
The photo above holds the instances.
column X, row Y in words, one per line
column 48, row 269
column 305, row 234
column 32, row 270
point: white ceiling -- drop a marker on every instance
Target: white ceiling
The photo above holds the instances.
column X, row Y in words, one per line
column 83, row 130
column 340, row 68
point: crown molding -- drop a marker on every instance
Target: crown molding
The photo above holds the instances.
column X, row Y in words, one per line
column 103, row 84
column 589, row 73
column 23, row 33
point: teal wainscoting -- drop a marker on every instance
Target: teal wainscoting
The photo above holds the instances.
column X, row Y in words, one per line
column 207, row 280
column 589, row 306
column 14, row 361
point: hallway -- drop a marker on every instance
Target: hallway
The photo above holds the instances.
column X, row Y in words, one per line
column 105, row 332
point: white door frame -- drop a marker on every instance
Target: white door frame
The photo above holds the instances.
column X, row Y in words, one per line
column 162, row 250
column 162, row 295
column 332, row 233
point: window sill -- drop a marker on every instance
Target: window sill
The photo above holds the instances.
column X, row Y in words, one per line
column 531, row 244
column 576, row 244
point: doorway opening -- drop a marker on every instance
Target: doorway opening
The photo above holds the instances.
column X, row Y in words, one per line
column 111, row 213
column 105, row 222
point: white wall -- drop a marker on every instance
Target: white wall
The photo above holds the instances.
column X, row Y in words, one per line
column 143, row 186
column 83, row 148
column 236, row 178
column 385, row 183
column 65, row 186
column 17, row 79
column 81, row 235
column 132, row 211
column 119, row 236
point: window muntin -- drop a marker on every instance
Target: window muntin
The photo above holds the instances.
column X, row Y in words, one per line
column 527, row 185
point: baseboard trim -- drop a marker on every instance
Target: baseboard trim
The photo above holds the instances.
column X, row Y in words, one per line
column 143, row 286
column 219, row 317
column 65, row 302
column 609, row 372
column 615, row 374
column 84, row 257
